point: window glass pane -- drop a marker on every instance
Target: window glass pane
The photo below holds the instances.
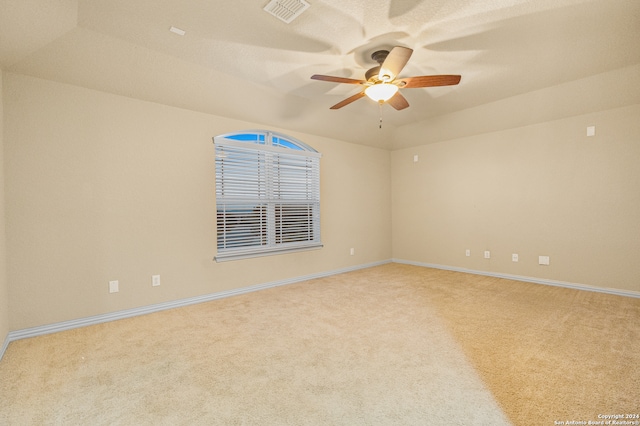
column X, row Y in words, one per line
column 241, row 226
column 294, row 223
column 285, row 143
column 248, row 137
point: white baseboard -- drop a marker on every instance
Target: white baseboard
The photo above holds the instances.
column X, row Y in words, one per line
column 4, row 347
column 575, row 286
column 113, row 316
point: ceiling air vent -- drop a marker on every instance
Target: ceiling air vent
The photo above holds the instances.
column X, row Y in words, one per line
column 286, row 10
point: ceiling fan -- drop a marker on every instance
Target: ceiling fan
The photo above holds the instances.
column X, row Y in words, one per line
column 382, row 83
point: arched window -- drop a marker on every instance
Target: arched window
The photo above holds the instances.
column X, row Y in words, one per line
column 267, row 195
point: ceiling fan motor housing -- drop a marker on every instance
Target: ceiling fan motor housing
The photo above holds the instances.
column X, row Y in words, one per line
column 379, row 56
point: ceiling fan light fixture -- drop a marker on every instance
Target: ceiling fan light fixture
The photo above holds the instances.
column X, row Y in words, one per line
column 381, row 92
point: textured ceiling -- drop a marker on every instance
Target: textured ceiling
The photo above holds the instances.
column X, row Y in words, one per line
column 236, row 60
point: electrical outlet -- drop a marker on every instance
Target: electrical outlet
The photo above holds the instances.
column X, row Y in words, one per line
column 114, row 286
column 514, row 257
column 352, row 251
column 487, row 254
column 543, row 260
column 467, row 252
column 155, row 280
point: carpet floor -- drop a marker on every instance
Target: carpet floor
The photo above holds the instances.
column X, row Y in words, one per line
column 389, row 345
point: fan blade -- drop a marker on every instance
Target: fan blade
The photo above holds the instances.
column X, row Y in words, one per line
column 398, row 101
column 348, row 100
column 393, row 64
column 428, row 81
column 336, row 79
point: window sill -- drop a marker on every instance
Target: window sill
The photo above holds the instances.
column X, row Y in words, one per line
column 240, row 255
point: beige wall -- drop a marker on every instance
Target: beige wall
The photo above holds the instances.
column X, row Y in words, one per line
column 102, row 187
column 4, row 294
column 543, row 189
column 608, row 90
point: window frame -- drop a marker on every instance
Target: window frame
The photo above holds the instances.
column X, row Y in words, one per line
column 267, row 195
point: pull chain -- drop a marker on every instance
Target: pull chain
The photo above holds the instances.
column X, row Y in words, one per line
column 380, row 112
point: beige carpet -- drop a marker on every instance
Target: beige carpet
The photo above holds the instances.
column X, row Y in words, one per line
column 390, row 345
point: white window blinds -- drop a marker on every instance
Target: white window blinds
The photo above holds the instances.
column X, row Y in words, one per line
column 267, row 197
